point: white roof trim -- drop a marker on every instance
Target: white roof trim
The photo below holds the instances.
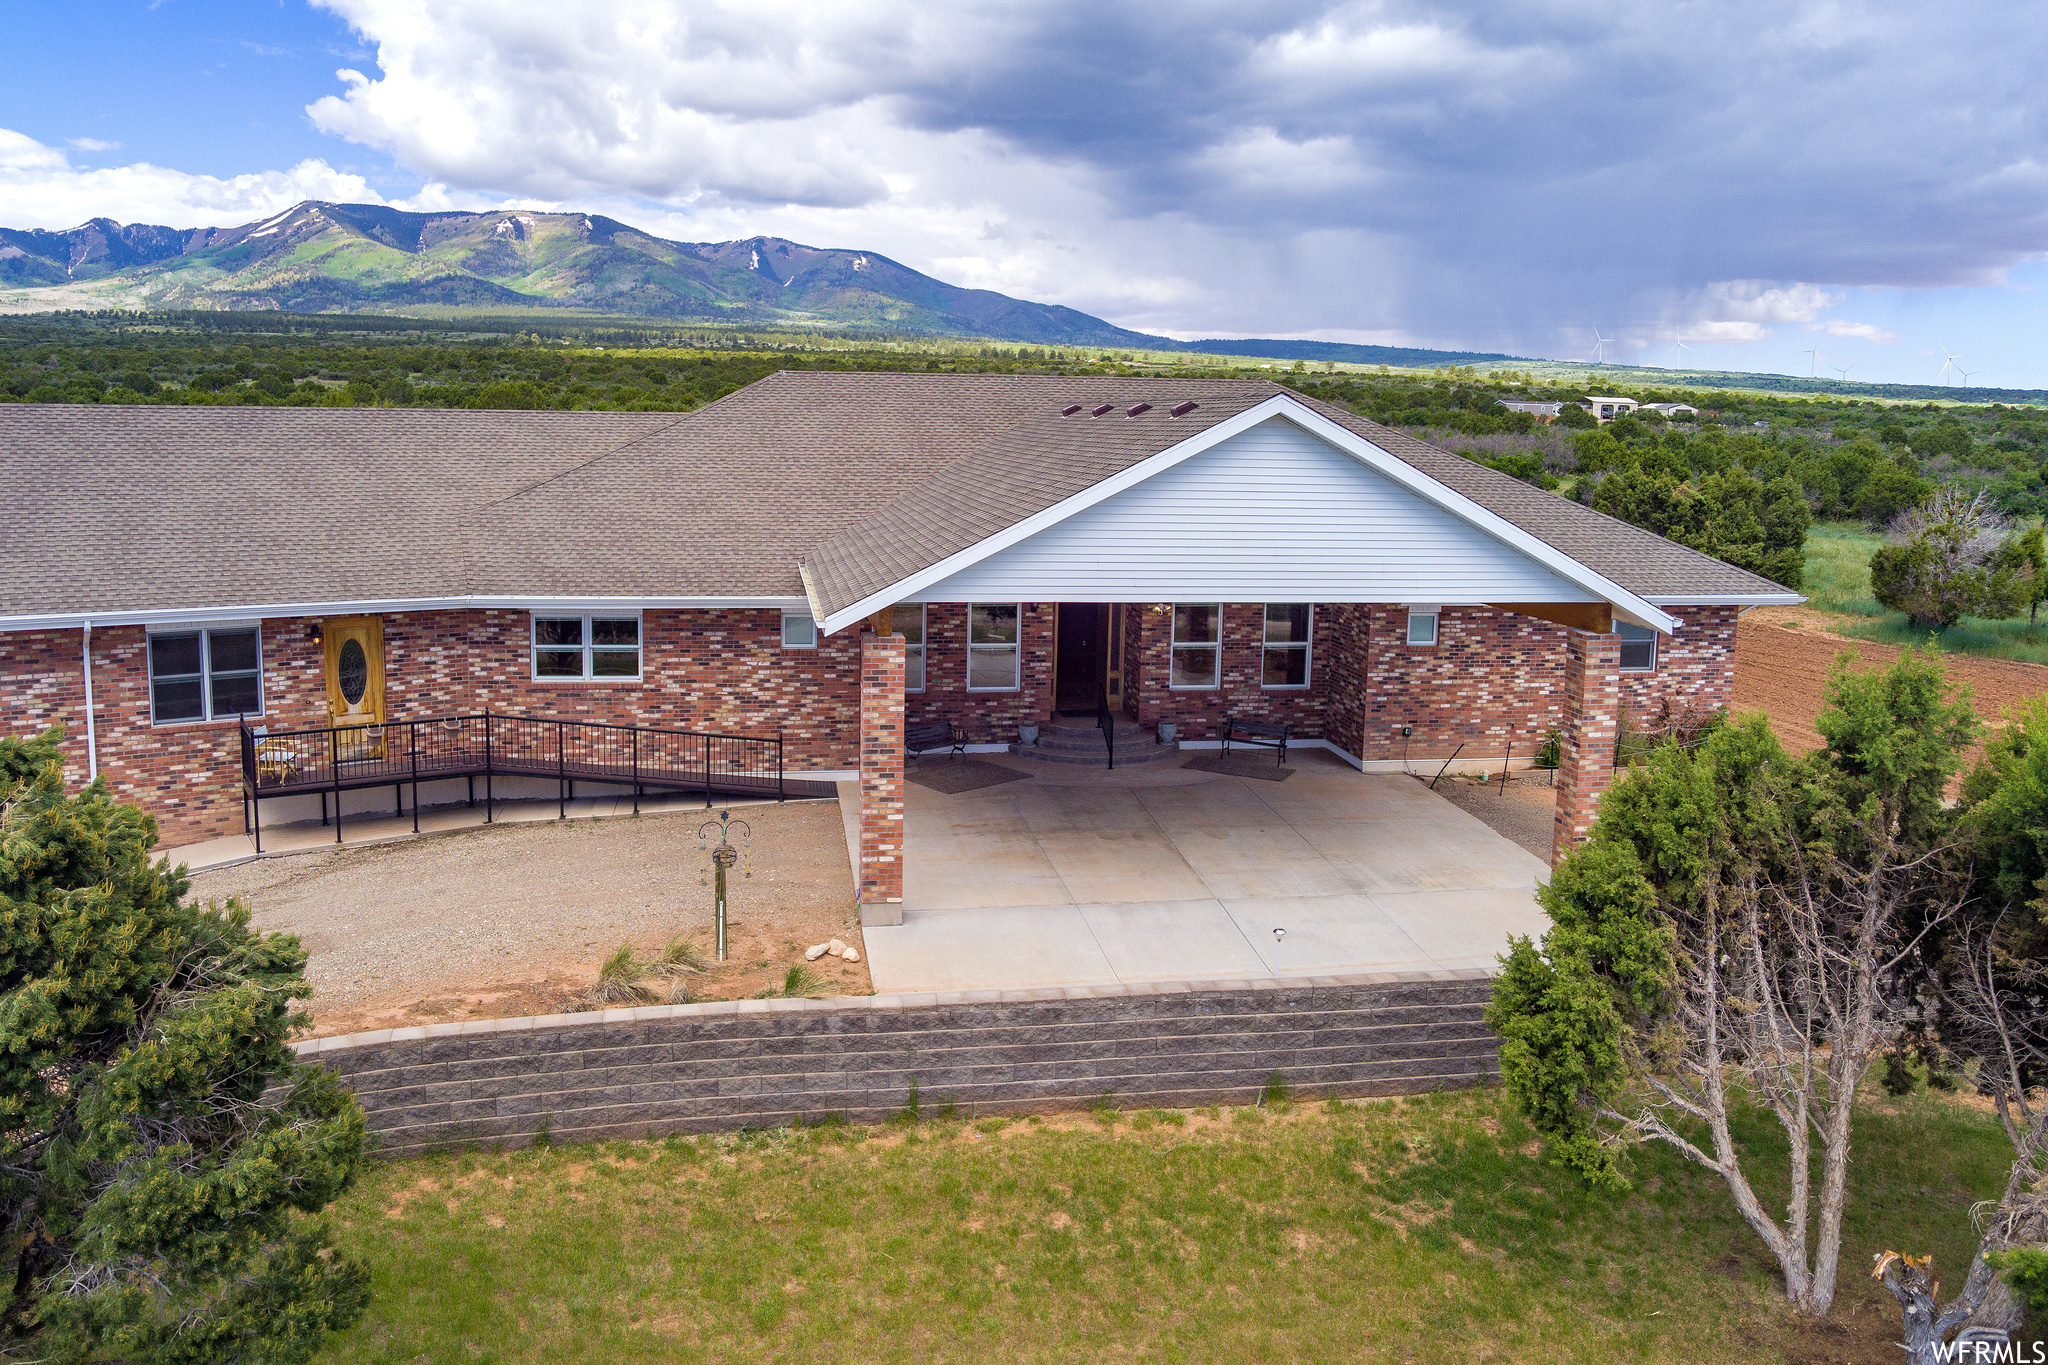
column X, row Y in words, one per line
column 1627, row 604
column 1737, row 599
column 370, row 606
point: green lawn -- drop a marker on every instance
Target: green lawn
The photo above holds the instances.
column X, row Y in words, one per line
column 1419, row 1229
column 1838, row 580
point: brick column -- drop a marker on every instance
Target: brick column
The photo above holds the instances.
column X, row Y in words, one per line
column 1592, row 705
column 881, row 779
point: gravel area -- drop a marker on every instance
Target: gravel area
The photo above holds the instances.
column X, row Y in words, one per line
column 514, row 919
column 1523, row 812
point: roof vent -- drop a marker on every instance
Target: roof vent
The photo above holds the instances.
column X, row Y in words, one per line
column 1182, row 409
column 1097, row 412
column 1134, row 409
column 1070, row 409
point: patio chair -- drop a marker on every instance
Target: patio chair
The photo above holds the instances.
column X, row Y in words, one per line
column 276, row 759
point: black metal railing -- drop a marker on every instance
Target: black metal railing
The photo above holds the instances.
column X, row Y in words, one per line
column 1105, row 720
column 403, row 753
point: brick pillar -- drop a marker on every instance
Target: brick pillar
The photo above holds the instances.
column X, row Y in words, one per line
column 1592, row 706
column 881, row 779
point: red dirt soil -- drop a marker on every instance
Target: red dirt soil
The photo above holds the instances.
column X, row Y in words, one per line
column 1782, row 670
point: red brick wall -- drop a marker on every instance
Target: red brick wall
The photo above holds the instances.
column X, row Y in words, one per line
column 1695, row 667
column 986, row 717
column 1148, row 640
column 881, row 778
column 42, row 683
column 1592, row 706
column 1493, row 675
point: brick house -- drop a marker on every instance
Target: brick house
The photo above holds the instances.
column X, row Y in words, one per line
column 824, row 558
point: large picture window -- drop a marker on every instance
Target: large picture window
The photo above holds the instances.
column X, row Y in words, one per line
column 210, row 674
column 992, row 646
column 907, row 619
column 1638, row 648
column 1197, row 644
column 567, row 647
column 1286, row 645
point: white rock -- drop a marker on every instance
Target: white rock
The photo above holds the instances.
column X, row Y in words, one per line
column 852, row 954
column 836, row 948
column 816, row 951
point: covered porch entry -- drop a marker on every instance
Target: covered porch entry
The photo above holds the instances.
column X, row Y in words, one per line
column 1086, row 876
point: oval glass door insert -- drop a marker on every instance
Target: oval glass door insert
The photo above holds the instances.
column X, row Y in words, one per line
column 353, row 670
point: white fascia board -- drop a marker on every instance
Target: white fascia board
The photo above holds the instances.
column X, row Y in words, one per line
column 378, row 606
column 1627, row 605
column 1751, row 599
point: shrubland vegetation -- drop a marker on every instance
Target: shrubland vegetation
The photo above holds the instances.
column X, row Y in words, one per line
column 164, row 1158
column 1749, row 930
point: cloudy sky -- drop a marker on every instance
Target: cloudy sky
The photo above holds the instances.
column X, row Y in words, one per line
column 1773, row 187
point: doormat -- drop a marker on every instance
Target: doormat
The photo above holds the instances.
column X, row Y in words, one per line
column 1240, row 765
column 955, row 775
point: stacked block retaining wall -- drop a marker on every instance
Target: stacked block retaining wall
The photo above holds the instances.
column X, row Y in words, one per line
column 755, row 1063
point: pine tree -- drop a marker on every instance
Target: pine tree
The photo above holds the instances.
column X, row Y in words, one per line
column 163, row 1156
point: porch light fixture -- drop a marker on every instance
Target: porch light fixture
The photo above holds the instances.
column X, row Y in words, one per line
column 313, row 632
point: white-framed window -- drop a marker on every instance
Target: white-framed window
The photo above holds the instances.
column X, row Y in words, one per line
column 992, row 633
column 209, row 673
column 1422, row 626
column 799, row 631
column 907, row 620
column 1197, row 653
column 571, row 647
column 1638, row 648
column 1286, row 644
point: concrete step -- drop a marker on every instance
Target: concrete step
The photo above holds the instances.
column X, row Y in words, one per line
column 1081, row 729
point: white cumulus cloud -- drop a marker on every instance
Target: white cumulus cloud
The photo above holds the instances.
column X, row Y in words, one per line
column 42, row 189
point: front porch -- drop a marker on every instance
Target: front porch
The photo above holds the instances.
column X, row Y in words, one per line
column 1086, row 876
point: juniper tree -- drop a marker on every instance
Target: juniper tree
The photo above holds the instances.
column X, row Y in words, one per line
column 163, row 1156
column 1733, row 936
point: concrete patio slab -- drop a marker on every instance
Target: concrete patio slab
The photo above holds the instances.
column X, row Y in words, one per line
column 1086, row 876
column 1167, row 940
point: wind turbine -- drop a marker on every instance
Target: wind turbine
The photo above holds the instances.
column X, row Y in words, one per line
column 1966, row 373
column 1600, row 345
column 1676, row 348
column 1812, row 354
column 1843, row 370
column 1948, row 364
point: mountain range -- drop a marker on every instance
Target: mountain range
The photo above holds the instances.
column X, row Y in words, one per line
column 319, row 257
column 365, row 258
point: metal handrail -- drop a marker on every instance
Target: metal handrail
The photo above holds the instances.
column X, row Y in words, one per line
column 333, row 758
column 1105, row 721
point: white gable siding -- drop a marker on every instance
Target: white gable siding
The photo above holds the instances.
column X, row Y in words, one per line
column 1273, row 514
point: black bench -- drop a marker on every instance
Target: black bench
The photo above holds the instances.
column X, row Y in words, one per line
column 937, row 734
column 1264, row 733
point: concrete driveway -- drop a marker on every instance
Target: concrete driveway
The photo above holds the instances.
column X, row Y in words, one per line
column 1088, row 877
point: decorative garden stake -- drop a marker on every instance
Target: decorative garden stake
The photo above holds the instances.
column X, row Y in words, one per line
column 723, row 856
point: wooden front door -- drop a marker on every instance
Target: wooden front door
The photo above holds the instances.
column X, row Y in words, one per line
column 355, row 669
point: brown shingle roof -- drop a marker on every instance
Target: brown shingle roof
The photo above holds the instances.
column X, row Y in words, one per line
column 869, row 477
